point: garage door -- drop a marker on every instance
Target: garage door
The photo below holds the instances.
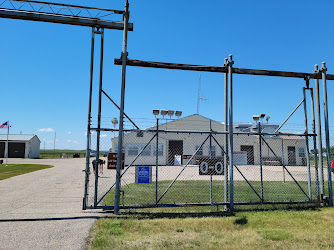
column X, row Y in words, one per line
column 16, row 150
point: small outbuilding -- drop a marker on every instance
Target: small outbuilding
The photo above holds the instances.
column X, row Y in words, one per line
column 20, row 146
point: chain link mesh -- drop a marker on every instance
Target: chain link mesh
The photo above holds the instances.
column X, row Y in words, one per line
column 166, row 168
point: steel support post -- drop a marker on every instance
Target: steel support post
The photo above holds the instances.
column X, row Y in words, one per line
column 226, row 128
column 261, row 171
column 210, row 142
column 230, row 130
column 319, row 135
column 87, row 171
column 121, row 111
column 307, row 146
column 157, row 163
column 315, row 145
column 283, row 171
column 329, row 174
column 98, row 132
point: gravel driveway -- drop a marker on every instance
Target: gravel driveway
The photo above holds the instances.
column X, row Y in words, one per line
column 43, row 209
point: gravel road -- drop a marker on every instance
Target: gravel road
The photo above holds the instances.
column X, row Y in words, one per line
column 43, row 209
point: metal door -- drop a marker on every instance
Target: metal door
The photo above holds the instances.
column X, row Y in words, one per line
column 292, row 155
column 250, row 153
column 174, row 148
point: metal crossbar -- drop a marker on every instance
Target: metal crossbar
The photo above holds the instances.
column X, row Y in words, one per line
column 62, row 13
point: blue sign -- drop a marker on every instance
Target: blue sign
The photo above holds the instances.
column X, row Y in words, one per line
column 143, row 175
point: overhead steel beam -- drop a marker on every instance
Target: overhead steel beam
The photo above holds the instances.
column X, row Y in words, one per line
column 63, row 19
column 68, row 5
column 218, row 69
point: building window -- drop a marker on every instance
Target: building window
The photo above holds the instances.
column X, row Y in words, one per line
column 133, row 149
column 146, row 151
column 160, row 150
column 301, row 153
column 212, row 151
column 199, row 152
column 116, row 148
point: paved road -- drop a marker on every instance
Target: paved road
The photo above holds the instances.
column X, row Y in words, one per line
column 43, row 209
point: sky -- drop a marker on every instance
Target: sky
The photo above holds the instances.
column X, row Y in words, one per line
column 45, row 67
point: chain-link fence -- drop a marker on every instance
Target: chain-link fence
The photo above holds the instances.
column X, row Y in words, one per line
column 168, row 168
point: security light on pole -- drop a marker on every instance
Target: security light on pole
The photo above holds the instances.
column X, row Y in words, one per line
column 178, row 113
column 170, row 113
column 156, row 112
column 256, row 117
column 163, row 112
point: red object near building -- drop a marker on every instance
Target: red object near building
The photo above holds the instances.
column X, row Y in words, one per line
column 332, row 167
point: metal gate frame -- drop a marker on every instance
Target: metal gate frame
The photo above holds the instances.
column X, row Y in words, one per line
column 228, row 70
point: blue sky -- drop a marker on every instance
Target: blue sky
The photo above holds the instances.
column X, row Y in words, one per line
column 45, row 67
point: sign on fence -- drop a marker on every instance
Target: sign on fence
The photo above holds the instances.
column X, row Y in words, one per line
column 211, row 167
column 143, row 175
column 112, row 161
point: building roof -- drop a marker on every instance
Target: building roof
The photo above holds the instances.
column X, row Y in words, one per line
column 11, row 137
column 193, row 122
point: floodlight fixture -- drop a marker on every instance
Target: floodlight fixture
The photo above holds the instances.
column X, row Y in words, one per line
column 163, row 112
column 170, row 113
column 262, row 115
column 156, row 112
column 114, row 121
column 267, row 118
column 256, row 117
column 178, row 113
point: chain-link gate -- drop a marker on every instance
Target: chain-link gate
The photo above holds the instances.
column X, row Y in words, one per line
column 164, row 168
column 181, row 163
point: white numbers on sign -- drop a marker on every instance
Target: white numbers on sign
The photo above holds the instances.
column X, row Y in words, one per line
column 219, row 171
column 218, row 168
column 205, row 169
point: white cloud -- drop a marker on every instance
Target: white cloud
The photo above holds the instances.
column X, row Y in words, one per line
column 69, row 132
column 46, row 130
column 92, row 133
column 103, row 135
column 75, row 142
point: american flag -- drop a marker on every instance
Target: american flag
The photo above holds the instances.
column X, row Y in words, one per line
column 4, row 125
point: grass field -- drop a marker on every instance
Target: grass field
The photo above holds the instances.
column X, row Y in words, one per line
column 51, row 154
column 301, row 227
column 280, row 229
column 17, row 169
column 197, row 191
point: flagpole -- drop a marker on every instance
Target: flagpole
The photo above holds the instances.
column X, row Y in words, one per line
column 6, row 148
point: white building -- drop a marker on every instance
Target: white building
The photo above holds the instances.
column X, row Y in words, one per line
column 290, row 149
column 20, row 146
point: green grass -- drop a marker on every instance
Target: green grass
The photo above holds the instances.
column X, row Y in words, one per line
column 51, row 154
column 199, row 191
column 17, row 169
column 261, row 227
column 280, row 229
